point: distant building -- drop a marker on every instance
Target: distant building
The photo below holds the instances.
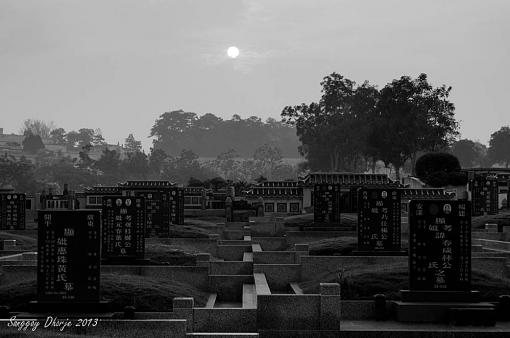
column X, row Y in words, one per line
column 277, row 197
column 12, row 144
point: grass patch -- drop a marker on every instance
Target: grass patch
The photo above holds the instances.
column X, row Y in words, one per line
column 23, row 241
column 503, row 218
column 364, row 282
column 145, row 293
column 164, row 254
column 338, row 246
column 189, row 231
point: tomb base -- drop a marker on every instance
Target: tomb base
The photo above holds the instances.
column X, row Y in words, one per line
column 443, row 306
column 441, row 312
column 440, row 296
column 379, row 253
column 69, row 307
column 125, row 261
column 323, row 226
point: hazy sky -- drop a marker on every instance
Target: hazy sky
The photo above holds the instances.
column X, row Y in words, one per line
column 118, row 65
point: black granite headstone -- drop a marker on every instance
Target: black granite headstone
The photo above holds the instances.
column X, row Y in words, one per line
column 379, row 220
column 157, row 207
column 326, row 203
column 484, row 194
column 439, row 245
column 12, row 211
column 123, row 228
column 68, row 260
column 177, row 205
column 354, row 198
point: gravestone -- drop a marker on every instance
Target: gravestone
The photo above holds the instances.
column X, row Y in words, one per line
column 354, row 198
column 123, row 227
column 484, row 195
column 379, row 222
column 68, row 259
column 158, row 203
column 229, row 210
column 440, row 246
column 177, row 205
column 326, row 203
column 12, row 211
column 439, row 263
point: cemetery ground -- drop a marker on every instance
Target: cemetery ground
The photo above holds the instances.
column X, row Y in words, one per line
column 233, row 252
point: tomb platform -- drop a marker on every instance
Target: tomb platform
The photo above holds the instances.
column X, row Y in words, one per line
column 379, row 253
column 70, row 307
column 444, row 306
column 325, row 226
column 125, row 261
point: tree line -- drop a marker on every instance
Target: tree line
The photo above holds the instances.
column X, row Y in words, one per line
column 353, row 126
column 209, row 135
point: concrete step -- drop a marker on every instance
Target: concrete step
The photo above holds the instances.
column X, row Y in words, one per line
column 248, row 257
column 211, row 300
column 222, row 334
column 249, row 296
column 296, row 288
column 492, row 244
column 476, row 248
column 503, row 253
column 491, row 227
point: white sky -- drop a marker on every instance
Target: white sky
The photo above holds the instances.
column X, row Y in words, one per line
column 118, row 64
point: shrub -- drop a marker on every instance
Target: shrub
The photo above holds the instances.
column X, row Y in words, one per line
column 434, row 162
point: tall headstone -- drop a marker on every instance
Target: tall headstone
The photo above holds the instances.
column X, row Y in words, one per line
column 12, row 211
column 379, row 221
column 177, row 205
column 229, row 210
column 484, row 194
column 440, row 266
column 326, row 203
column 68, row 260
column 123, row 227
column 440, row 246
column 354, row 198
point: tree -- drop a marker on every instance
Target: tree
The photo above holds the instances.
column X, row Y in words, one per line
column 226, row 165
column 17, row 173
column 269, row 156
column 136, row 165
column 58, row 136
column 333, row 131
column 209, row 135
column 434, row 162
column 72, row 139
column 109, row 162
column 38, row 127
column 32, row 143
column 132, row 145
column 466, row 152
column 440, row 169
column 86, row 136
column 411, row 116
column 499, row 146
column 157, row 159
column 85, row 160
column 97, row 138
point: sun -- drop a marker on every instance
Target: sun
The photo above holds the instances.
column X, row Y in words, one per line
column 233, row 52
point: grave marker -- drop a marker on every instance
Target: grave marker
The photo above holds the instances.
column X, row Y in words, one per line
column 379, row 220
column 12, row 211
column 440, row 245
column 326, row 204
column 68, row 259
column 177, row 205
column 123, row 228
column 484, row 194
